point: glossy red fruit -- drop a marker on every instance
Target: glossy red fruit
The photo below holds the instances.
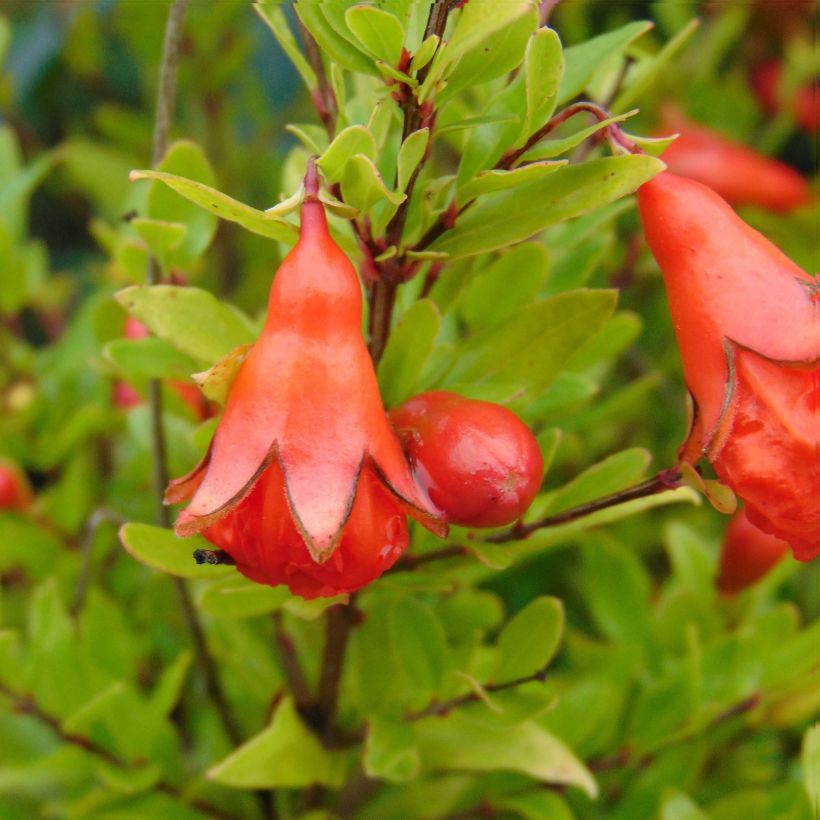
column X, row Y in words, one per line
column 15, row 492
column 305, row 483
column 748, row 554
column 804, row 104
column 739, row 174
column 745, row 317
column 479, row 462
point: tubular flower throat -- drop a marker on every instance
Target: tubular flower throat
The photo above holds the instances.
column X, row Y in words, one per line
column 747, row 320
column 305, row 483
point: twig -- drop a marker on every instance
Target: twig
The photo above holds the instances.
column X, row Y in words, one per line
column 394, row 271
column 339, row 620
column 294, row 675
column 97, row 518
column 473, row 697
column 166, row 96
column 323, row 97
column 27, row 706
column 663, row 481
column 449, row 217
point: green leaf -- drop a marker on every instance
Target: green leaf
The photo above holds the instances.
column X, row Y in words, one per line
column 363, row 187
column 273, row 14
column 378, row 31
column 224, row 206
column 529, row 641
column 237, row 597
column 583, row 60
column 810, row 759
column 495, row 56
column 160, row 549
column 194, row 321
column 652, row 70
column 351, row 141
column 488, row 182
column 390, row 751
column 424, row 53
column 616, row 472
column 622, row 609
column 506, row 286
column 543, row 68
column 546, row 149
column 410, row 155
column 333, row 43
column 675, row 805
column 540, row 805
column 566, row 192
column 184, row 159
column 531, row 347
column 216, row 382
column 285, row 755
column 500, row 556
column 149, row 358
column 458, row 742
column 407, row 352
column 420, row 645
column 479, row 22
column 162, row 239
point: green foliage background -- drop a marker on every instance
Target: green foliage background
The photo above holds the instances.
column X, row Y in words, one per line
column 644, row 694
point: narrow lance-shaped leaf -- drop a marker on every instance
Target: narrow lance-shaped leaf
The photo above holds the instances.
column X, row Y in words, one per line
column 224, row 206
column 503, row 218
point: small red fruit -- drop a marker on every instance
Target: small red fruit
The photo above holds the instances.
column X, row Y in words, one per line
column 748, row 554
column 15, row 493
column 739, row 174
column 479, row 462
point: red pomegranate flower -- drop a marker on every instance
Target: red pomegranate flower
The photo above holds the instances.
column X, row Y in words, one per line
column 748, row 554
column 739, row 174
column 305, row 483
column 748, row 327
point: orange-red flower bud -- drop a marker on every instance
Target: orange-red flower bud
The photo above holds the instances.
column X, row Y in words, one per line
column 15, row 492
column 479, row 463
column 739, row 174
column 746, row 320
column 305, row 482
column 747, row 555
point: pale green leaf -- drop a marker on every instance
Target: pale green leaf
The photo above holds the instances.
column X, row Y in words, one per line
column 458, row 742
column 390, row 751
column 378, row 31
column 224, row 206
column 500, row 219
column 237, row 597
column 194, row 321
column 543, row 68
column 351, row 141
column 184, row 159
column 160, row 549
column 410, row 155
column 149, row 358
column 285, row 755
column 581, row 61
column 407, row 352
column 331, row 38
column 419, row 642
column 529, row 640
column 216, row 382
column 488, row 182
column 363, row 186
column 273, row 14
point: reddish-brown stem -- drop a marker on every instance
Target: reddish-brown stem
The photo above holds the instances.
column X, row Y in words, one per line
column 323, row 97
column 339, row 620
column 664, row 480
